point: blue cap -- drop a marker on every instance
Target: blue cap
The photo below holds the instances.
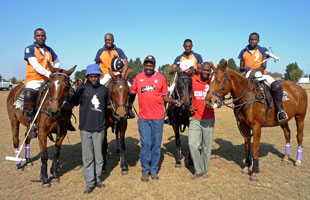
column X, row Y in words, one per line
column 93, row 69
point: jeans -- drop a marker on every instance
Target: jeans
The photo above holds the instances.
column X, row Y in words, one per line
column 151, row 132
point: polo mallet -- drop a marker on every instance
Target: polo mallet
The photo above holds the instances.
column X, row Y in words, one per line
column 16, row 158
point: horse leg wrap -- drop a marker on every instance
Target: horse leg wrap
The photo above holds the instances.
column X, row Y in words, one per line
column 299, row 153
column 255, row 166
column 16, row 152
column 288, row 148
column 44, row 159
column 117, row 142
column 27, row 151
column 248, row 159
column 54, row 166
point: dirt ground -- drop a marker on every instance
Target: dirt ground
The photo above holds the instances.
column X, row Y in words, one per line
column 277, row 180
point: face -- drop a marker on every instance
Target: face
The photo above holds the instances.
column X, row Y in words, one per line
column 93, row 79
column 253, row 41
column 40, row 37
column 205, row 71
column 188, row 47
column 149, row 68
column 108, row 40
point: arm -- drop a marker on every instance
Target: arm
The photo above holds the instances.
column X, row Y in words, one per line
column 170, row 100
column 125, row 67
column 38, row 68
column 173, row 69
column 57, row 63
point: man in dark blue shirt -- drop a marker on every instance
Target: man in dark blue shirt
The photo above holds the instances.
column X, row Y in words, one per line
column 93, row 99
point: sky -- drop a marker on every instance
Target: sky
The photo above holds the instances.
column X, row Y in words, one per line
column 219, row 29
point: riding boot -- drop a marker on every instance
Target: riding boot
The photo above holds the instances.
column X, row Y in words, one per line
column 131, row 99
column 277, row 94
column 29, row 99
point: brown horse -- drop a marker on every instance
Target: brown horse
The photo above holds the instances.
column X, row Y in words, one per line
column 51, row 119
column 250, row 112
column 116, row 118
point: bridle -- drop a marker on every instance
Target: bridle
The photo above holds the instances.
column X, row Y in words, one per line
column 116, row 106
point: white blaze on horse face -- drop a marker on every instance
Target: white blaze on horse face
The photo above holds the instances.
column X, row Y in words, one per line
column 56, row 84
column 212, row 79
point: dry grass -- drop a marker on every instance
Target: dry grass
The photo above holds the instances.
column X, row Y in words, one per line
column 277, row 180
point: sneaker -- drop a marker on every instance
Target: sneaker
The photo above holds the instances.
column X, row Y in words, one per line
column 196, row 176
column 88, row 190
column 282, row 116
column 145, row 177
column 100, row 185
column 154, row 176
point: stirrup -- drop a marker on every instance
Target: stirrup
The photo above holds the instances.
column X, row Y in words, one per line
column 283, row 116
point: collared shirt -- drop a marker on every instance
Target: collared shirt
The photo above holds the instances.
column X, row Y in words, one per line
column 200, row 91
column 104, row 57
column 93, row 102
column 150, row 90
column 193, row 57
column 34, row 51
column 253, row 59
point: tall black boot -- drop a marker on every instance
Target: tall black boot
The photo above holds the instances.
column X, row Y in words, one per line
column 277, row 93
column 29, row 99
column 131, row 99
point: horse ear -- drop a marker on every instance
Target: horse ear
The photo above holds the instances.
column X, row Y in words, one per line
column 127, row 74
column 113, row 76
column 70, row 71
column 212, row 66
column 53, row 69
column 224, row 65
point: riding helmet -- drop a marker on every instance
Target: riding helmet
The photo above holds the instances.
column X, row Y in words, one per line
column 117, row 64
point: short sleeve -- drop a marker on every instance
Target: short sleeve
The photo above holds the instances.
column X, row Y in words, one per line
column 199, row 58
column 134, row 86
column 97, row 58
column 54, row 56
column 241, row 54
column 177, row 60
column 263, row 51
column 120, row 53
column 164, row 90
column 29, row 52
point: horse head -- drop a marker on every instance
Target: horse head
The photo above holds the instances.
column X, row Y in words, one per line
column 119, row 92
column 183, row 89
column 59, row 86
column 220, row 85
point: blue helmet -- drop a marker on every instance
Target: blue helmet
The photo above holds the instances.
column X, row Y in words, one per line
column 93, row 69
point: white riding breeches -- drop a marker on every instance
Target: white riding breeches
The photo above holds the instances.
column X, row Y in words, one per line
column 268, row 80
column 34, row 84
column 107, row 77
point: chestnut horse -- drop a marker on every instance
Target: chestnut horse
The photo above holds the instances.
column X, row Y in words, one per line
column 250, row 112
column 179, row 116
column 116, row 117
column 51, row 119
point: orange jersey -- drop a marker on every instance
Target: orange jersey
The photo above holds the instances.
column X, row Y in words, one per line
column 33, row 51
column 254, row 59
column 104, row 58
column 195, row 58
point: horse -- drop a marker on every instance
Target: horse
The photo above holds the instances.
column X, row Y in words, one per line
column 251, row 112
column 116, row 117
column 51, row 119
column 178, row 117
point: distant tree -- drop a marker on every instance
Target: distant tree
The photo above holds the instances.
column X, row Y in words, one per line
column 222, row 61
column 80, row 74
column 136, row 67
column 293, row 73
column 0, row 76
column 13, row 80
column 165, row 69
column 275, row 75
column 232, row 65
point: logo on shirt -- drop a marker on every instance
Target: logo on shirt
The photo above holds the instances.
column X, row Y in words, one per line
column 141, row 80
column 27, row 50
column 96, row 103
column 256, row 57
column 156, row 81
column 148, row 88
column 207, row 88
column 200, row 94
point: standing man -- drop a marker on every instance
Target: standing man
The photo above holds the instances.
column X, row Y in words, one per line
column 104, row 59
column 251, row 61
column 37, row 56
column 93, row 99
column 201, row 127
column 152, row 91
column 186, row 60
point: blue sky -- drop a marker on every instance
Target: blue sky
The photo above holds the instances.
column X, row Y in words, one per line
column 219, row 29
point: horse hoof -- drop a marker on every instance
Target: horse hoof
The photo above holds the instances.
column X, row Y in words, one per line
column 178, row 165
column 56, row 180
column 298, row 163
column 46, row 185
column 124, row 172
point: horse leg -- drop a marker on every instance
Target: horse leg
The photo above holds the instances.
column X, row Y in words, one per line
column 15, row 130
column 27, row 152
column 44, row 158
column 116, row 141
column 287, row 134
column 178, row 145
column 255, row 150
column 54, row 167
column 246, row 132
column 300, row 128
column 123, row 161
column 105, row 150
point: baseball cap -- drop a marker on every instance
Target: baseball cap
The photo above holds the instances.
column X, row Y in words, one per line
column 149, row 59
column 93, row 69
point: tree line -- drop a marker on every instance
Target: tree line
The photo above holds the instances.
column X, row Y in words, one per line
column 292, row 71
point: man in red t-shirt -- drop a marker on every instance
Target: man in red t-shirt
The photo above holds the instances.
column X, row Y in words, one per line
column 201, row 127
column 152, row 91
